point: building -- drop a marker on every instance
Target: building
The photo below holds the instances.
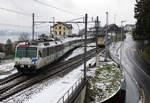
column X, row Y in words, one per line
column 62, row 29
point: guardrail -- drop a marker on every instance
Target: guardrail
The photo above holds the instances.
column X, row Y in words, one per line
column 67, row 96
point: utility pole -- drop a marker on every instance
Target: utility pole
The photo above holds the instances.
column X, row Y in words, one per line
column 53, row 26
column 85, row 44
column 96, row 36
column 106, row 38
column 121, row 44
column 114, row 18
column 50, row 29
column 121, row 39
column 122, row 30
column 33, row 25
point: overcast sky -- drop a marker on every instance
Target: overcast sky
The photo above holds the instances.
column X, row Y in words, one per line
column 123, row 9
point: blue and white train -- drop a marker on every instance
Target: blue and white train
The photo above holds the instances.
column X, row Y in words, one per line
column 29, row 57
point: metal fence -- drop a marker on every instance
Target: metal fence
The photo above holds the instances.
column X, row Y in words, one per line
column 67, row 96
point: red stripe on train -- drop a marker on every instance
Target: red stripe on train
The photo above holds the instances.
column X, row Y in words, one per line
column 24, row 46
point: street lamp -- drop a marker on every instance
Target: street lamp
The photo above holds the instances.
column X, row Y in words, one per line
column 106, row 37
column 97, row 24
column 121, row 43
column 122, row 30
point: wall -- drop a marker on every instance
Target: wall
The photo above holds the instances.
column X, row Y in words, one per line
column 81, row 96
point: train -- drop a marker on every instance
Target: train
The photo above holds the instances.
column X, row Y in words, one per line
column 101, row 40
column 32, row 56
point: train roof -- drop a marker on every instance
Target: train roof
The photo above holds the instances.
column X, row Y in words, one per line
column 48, row 43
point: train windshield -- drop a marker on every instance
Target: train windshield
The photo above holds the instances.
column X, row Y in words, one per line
column 101, row 36
column 30, row 52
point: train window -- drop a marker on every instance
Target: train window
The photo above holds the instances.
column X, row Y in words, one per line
column 44, row 52
column 52, row 50
column 40, row 54
column 47, row 51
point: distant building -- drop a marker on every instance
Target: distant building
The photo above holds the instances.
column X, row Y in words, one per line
column 129, row 27
column 62, row 29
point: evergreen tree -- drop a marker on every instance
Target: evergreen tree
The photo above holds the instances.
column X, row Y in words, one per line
column 142, row 14
column 9, row 47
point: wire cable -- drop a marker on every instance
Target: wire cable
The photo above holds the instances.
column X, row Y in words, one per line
column 51, row 6
column 14, row 25
column 18, row 7
column 42, row 26
column 14, row 11
column 75, row 19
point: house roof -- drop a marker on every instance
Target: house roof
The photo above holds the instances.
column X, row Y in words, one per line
column 69, row 26
column 131, row 25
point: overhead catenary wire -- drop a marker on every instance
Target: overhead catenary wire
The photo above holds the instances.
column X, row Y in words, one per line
column 54, row 7
column 15, row 25
column 14, row 11
column 18, row 7
column 42, row 26
column 75, row 19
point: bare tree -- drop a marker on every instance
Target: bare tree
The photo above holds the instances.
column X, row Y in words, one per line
column 24, row 37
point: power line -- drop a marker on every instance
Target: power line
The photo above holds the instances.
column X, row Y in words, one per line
column 75, row 19
column 42, row 26
column 15, row 25
column 51, row 6
column 14, row 3
column 14, row 11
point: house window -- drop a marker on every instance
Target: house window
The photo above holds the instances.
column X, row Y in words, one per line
column 59, row 27
column 64, row 33
column 64, row 28
column 55, row 27
column 59, row 32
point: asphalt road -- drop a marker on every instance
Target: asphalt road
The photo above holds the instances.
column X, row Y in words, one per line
column 137, row 72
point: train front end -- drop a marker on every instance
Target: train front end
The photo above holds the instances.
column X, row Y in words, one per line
column 26, row 58
column 101, row 42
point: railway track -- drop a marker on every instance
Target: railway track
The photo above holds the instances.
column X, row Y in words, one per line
column 9, row 78
column 19, row 83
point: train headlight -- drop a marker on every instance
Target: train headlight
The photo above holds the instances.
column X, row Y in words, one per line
column 22, row 66
column 33, row 62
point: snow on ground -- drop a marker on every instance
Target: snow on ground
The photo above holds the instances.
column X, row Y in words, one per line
column 7, row 69
column 54, row 92
column 105, row 80
column 48, row 91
